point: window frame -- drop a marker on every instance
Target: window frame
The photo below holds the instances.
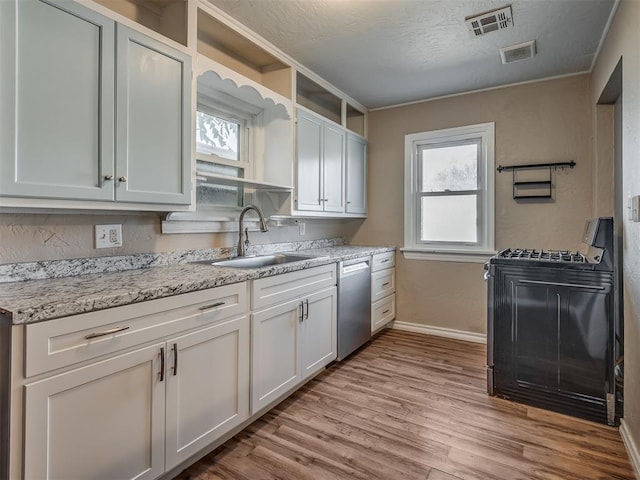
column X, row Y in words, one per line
column 414, row 247
column 244, row 142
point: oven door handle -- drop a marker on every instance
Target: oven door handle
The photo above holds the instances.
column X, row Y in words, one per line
column 558, row 284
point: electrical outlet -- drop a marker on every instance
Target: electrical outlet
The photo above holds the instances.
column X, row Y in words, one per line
column 108, row 236
column 302, row 228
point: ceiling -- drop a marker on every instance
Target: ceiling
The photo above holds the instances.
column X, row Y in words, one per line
column 388, row 52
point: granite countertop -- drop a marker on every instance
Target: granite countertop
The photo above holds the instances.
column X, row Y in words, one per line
column 38, row 300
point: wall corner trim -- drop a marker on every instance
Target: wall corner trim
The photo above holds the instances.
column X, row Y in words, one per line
column 631, row 446
column 441, row 332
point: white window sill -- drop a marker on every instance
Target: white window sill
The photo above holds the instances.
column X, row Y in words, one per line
column 448, row 255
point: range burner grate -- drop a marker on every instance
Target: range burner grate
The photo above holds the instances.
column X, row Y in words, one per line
column 548, row 255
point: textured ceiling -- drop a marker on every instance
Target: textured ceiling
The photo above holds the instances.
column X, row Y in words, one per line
column 386, row 52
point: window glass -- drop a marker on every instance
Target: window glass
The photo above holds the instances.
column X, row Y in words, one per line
column 217, row 168
column 449, row 168
column 449, row 219
column 217, row 136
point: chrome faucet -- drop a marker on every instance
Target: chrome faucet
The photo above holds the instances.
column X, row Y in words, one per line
column 263, row 227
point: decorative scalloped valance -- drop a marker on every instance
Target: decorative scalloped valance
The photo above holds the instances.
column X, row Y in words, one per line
column 249, row 98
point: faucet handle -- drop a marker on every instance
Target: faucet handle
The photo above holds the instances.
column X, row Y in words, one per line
column 246, row 236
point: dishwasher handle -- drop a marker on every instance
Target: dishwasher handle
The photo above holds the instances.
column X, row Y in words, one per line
column 354, row 268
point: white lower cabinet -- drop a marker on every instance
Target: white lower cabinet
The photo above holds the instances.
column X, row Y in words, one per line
column 383, row 287
column 207, row 387
column 296, row 337
column 102, row 421
column 318, row 330
column 133, row 392
column 140, row 413
column 291, row 342
column 275, row 342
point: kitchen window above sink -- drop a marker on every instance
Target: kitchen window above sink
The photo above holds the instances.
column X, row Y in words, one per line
column 244, row 153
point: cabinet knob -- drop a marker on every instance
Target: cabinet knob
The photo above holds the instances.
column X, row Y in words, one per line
column 122, row 179
column 108, row 177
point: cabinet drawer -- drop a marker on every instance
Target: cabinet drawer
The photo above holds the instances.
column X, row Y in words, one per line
column 383, row 260
column 288, row 286
column 383, row 283
column 382, row 312
column 57, row 343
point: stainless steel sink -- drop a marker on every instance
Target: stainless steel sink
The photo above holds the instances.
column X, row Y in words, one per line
column 257, row 262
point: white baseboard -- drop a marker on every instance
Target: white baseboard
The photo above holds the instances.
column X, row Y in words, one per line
column 632, row 448
column 441, row 332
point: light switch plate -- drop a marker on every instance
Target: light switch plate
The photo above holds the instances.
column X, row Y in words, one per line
column 108, row 236
column 302, row 228
column 635, row 209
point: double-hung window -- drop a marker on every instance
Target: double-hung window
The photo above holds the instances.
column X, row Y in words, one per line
column 449, row 194
column 221, row 149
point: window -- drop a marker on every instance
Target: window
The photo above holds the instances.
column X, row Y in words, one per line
column 221, row 149
column 449, row 198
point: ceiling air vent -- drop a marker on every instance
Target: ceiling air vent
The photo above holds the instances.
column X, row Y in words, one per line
column 490, row 21
column 521, row 51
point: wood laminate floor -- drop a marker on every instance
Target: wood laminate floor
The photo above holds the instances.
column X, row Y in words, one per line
column 412, row 406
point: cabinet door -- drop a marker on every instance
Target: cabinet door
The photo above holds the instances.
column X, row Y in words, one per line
column 208, row 387
column 56, row 101
column 333, row 174
column 309, row 160
column 102, row 421
column 318, row 341
column 153, row 155
column 275, row 366
column 356, row 173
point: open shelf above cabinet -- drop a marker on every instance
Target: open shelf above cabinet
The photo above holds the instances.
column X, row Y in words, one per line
column 355, row 120
column 221, row 43
column 318, row 99
column 166, row 17
column 216, row 179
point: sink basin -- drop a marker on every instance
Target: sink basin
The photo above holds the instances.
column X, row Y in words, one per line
column 257, row 262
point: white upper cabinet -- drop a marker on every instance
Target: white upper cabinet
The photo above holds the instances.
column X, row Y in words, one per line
column 310, row 176
column 58, row 98
column 356, row 173
column 153, row 156
column 320, row 165
column 333, row 168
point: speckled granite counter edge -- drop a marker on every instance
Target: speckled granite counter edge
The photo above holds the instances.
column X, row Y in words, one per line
column 40, row 300
column 17, row 272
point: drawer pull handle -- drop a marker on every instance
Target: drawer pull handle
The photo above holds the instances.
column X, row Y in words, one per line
column 162, row 364
column 385, row 284
column 213, row 305
column 175, row 359
column 106, row 332
column 386, row 311
column 385, row 260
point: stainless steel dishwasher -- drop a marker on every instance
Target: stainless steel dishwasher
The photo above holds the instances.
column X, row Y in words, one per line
column 354, row 304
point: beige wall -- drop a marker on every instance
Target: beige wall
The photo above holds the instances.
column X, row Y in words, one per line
column 623, row 41
column 603, row 152
column 540, row 122
column 29, row 237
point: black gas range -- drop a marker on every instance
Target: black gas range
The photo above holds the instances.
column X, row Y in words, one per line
column 552, row 341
